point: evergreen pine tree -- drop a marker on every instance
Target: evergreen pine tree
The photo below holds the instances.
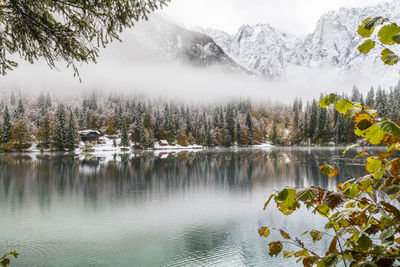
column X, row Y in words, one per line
column 208, row 138
column 41, row 100
column 313, row 120
column 356, row 96
column 70, row 136
column 239, row 136
column 320, row 135
column 157, row 125
column 370, row 100
column 305, row 126
column 230, row 123
column 380, row 102
column 124, row 136
column 249, row 123
column 6, row 131
column 328, row 127
column 143, row 137
column 48, row 101
column 44, row 130
column 150, row 140
column 20, row 110
column 59, row 138
column 274, row 134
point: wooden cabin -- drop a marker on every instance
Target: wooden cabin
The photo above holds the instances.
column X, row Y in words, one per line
column 163, row 143
column 89, row 135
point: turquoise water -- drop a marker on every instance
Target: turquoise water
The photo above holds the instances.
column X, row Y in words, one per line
column 179, row 209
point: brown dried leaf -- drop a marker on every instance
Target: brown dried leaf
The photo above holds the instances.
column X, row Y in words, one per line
column 334, row 199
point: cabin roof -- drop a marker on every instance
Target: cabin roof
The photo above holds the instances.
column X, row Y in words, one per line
column 87, row 132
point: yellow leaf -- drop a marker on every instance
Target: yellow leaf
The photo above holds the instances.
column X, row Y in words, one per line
column 284, row 234
column 264, row 231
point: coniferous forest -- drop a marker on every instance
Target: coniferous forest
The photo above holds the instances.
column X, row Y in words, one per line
column 141, row 122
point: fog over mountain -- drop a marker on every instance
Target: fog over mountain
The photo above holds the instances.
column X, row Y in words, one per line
column 161, row 58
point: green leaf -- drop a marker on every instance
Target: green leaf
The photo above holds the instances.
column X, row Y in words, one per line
column 316, row 235
column 322, row 209
column 387, row 236
column 374, row 134
column 275, row 248
column 352, row 112
column 389, row 57
column 307, row 194
column 286, row 201
column 330, row 260
column 387, row 32
column 364, row 242
column 364, row 124
column 286, row 194
column 390, row 127
column 268, row 201
column 396, row 38
column 329, row 100
column 351, row 191
column 367, row 264
column 393, row 189
column 328, row 170
column 364, row 32
column 372, row 23
column 373, row 165
column 343, row 106
column 367, row 46
column 378, row 250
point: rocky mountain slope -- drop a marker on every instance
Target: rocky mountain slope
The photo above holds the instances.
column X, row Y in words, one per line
column 177, row 44
column 268, row 51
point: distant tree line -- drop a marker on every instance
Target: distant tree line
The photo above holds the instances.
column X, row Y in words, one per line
column 142, row 122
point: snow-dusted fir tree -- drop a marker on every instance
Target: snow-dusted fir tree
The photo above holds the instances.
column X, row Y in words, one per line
column 239, row 136
column 6, row 127
column 19, row 111
column 230, row 122
column 59, row 138
column 71, row 134
column 124, row 136
column 274, row 134
column 320, row 134
column 370, row 100
column 249, row 123
column 150, row 140
column 313, row 120
column 381, row 101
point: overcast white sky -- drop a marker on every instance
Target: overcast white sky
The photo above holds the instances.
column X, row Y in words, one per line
column 292, row 16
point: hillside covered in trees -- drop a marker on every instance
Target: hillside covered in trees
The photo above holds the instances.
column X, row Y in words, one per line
column 141, row 122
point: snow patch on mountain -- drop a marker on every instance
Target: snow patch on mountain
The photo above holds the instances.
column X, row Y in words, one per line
column 268, row 51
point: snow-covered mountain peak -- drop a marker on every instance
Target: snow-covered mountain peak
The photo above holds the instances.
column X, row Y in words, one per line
column 268, row 51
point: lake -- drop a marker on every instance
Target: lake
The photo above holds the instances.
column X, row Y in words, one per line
column 153, row 209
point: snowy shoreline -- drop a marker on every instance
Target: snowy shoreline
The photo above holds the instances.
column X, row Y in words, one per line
column 108, row 148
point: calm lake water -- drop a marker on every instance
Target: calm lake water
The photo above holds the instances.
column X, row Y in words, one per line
column 179, row 209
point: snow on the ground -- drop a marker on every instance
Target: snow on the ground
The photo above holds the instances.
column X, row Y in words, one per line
column 176, row 147
column 264, row 146
column 108, row 152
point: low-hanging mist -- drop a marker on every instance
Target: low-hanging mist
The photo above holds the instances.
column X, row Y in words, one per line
column 146, row 65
